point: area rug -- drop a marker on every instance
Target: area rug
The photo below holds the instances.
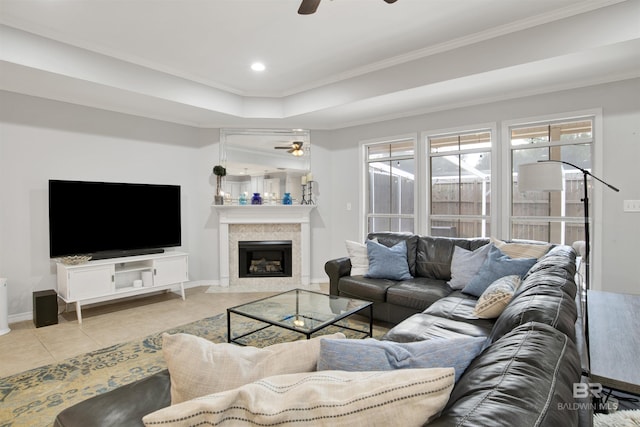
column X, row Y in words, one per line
column 33, row 398
column 617, row 419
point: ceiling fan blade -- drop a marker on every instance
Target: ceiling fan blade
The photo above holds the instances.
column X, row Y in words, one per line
column 307, row 7
column 291, row 150
column 282, row 148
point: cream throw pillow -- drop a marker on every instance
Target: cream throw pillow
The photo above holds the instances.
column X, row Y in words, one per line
column 521, row 250
column 407, row 397
column 199, row 367
column 357, row 253
column 495, row 299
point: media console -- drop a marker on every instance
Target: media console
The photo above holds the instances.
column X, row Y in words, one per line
column 109, row 279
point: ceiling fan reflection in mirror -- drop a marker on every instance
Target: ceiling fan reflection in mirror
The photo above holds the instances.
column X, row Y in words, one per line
column 295, row 148
column 307, row 7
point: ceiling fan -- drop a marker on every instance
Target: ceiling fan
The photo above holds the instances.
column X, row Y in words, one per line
column 307, row 7
column 295, row 148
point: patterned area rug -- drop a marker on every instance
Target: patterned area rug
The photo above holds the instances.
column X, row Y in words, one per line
column 618, row 419
column 33, row 398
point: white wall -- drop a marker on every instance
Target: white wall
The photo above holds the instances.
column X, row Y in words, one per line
column 42, row 140
column 621, row 166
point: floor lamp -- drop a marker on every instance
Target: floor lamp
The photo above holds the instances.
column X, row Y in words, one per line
column 546, row 175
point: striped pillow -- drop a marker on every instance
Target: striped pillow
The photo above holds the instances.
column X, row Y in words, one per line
column 495, row 299
column 410, row 396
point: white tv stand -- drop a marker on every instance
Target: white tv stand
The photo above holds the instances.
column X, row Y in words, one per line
column 109, row 279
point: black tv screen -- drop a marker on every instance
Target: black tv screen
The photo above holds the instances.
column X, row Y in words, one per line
column 107, row 219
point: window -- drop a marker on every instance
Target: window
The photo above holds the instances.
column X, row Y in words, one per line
column 556, row 217
column 390, row 185
column 460, row 182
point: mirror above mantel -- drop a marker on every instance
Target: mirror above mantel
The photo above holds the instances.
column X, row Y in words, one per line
column 266, row 161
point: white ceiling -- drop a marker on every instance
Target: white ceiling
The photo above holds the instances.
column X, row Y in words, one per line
column 353, row 61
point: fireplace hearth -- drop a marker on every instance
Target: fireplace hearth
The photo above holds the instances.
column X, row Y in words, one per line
column 265, row 258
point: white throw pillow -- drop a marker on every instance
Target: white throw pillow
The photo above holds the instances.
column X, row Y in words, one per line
column 357, row 253
column 198, row 367
column 521, row 250
column 407, row 397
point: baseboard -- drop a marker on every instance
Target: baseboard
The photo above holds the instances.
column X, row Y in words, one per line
column 196, row 283
column 20, row 317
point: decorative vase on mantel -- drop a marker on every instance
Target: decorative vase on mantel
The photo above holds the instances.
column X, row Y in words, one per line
column 242, row 200
column 219, row 171
column 256, row 199
column 219, row 197
column 287, row 200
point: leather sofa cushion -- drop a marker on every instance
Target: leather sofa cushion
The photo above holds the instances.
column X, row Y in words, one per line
column 123, row 407
column 390, row 239
column 368, row 289
column 418, row 293
column 546, row 304
column 458, row 306
column 547, row 295
column 423, row 326
column 523, row 379
column 434, row 254
column 560, row 262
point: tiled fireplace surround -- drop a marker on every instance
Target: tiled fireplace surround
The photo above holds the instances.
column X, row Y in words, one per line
column 264, row 222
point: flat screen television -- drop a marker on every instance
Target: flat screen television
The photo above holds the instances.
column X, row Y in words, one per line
column 108, row 219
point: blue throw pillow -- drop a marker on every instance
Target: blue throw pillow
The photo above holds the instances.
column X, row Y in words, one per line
column 497, row 265
column 373, row 355
column 387, row 263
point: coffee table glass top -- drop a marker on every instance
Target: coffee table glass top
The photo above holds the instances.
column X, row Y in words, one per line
column 301, row 310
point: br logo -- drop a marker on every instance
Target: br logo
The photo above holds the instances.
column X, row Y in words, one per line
column 584, row 390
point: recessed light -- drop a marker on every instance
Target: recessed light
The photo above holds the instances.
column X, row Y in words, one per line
column 258, row 66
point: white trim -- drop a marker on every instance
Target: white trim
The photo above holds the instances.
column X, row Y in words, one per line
column 20, row 317
column 362, row 185
column 457, row 43
column 597, row 207
column 492, row 127
column 264, row 214
column 28, row 315
column 364, row 181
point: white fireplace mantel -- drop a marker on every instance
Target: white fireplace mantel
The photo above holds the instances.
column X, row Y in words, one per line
column 264, row 214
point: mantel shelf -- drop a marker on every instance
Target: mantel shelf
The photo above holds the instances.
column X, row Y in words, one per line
column 270, row 207
column 263, row 214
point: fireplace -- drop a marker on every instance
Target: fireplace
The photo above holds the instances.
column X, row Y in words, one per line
column 264, row 258
column 264, row 222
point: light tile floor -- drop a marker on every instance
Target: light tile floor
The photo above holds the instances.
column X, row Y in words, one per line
column 27, row 347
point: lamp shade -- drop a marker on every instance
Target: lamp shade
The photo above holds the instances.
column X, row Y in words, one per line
column 541, row 176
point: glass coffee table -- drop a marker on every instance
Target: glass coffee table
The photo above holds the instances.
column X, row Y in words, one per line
column 302, row 311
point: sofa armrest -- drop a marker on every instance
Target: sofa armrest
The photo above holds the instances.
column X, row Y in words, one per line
column 123, row 407
column 335, row 269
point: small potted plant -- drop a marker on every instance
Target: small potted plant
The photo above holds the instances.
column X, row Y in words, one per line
column 219, row 171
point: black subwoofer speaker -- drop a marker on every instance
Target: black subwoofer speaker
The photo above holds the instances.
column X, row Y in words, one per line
column 45, row 308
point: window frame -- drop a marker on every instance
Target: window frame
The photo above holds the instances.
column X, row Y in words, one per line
column 425, row 160
column 364, row 179
column 596, row 208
